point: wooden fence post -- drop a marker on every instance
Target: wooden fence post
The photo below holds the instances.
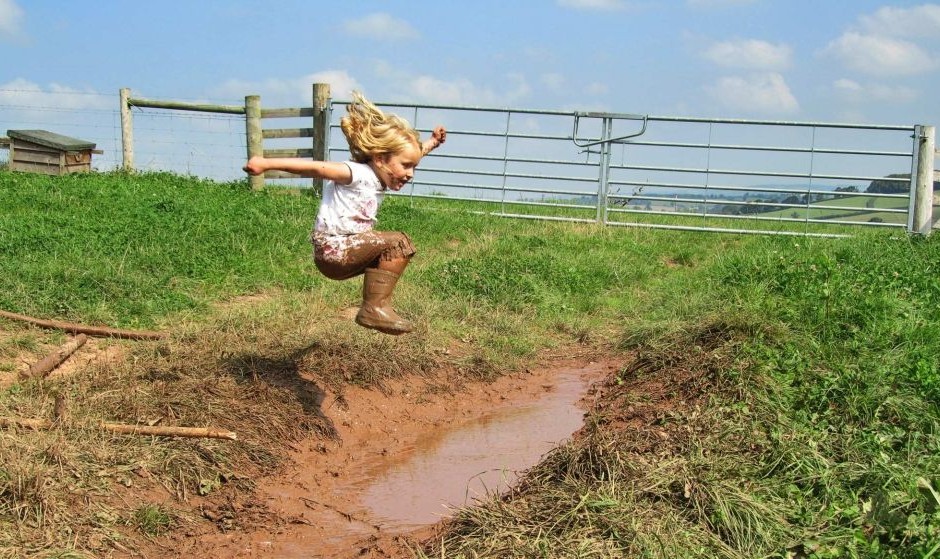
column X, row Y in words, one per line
column 923, row 192
column 253, row 135
column 127, row 131
column 321, row 127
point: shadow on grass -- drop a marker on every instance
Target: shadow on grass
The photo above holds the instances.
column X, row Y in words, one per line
column 283, row 373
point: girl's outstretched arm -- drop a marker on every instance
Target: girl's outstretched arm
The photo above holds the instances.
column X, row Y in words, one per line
column 329, row 170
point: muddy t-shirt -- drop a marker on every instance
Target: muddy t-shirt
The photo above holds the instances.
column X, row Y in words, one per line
column 347, row 209
column 351, row 208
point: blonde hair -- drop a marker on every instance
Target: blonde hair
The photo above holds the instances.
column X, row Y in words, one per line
column 371, row 132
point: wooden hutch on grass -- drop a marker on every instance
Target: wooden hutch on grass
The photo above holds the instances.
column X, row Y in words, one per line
column 41, row 151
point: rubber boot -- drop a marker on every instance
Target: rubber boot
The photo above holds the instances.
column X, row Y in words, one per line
column 375, row 312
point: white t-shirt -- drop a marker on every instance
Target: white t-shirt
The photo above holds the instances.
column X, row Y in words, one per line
column 347, row 209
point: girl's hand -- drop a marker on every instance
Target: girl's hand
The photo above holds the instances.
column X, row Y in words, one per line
column 255, row 166
column 438, row 137
column 439, row 134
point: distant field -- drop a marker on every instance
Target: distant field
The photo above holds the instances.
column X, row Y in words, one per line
column 859, row 208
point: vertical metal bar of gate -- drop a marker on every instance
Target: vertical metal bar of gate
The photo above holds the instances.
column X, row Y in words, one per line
column 809, row 185
column 708, row 168
column 604, row 170
column 502, row 190
column 915, row 163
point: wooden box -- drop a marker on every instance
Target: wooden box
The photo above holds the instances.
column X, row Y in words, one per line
column 40, row 151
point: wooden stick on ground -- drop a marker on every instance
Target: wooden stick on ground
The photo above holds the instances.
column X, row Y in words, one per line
column 48, row 363
column 83, row 329
column 170, row 431
column 160, row 431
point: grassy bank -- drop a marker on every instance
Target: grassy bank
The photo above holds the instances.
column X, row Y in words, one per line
column 784, row 402
column 799, row 419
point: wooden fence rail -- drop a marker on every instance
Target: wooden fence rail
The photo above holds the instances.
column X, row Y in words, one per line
column 255, row 133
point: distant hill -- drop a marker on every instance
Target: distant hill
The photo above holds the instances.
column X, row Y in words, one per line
column 881, row 186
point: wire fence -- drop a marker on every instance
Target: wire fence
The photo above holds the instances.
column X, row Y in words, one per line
column 618, row 169
column 197, row 144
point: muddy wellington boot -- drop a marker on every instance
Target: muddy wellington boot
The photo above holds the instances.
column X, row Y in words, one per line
column 376, row 313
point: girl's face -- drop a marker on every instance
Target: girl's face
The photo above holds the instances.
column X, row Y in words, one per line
column 396, row 169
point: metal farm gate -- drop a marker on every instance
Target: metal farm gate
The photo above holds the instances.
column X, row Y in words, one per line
column 629, row 170
column 741, row 176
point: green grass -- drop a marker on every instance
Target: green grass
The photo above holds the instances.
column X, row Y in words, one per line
column 152, row 520
column 141, row 250
column 806, row 422
column 784, row 399
column 127, row 250
column 856, row 375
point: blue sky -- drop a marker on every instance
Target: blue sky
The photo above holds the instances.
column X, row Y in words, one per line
column 843, row 61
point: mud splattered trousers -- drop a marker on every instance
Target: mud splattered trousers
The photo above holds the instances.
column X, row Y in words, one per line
column 341, row 257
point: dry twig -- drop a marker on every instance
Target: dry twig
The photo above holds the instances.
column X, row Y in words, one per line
column 159, row 431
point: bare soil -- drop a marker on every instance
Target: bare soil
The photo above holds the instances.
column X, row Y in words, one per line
column 18, row 361
column 312, row 507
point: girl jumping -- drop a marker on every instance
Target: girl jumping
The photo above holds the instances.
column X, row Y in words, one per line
column 384, row 151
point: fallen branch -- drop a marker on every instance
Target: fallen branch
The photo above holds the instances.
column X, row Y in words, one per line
column 159, row 431
column 169, row 431
column 100, row 331
column 48, row 363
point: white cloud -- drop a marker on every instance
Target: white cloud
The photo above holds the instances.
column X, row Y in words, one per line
column 750, row 54
column 11, row 21
column 854, row 92
column 918, row 21
column 381, row 26
column 764, row 93
column 880, row 56
column 847, row 86
column 341, row 83
column 464, row 92
column 24, row 94
column 600, row 5
column 292, row 91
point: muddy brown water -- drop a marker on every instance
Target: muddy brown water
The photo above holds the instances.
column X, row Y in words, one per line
column 398, row 489
column 473, row 461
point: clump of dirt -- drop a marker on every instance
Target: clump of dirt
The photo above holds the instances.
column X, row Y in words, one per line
column 646, row 401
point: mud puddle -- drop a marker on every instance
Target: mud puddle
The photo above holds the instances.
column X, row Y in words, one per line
column 406, row 459
column 473, row 461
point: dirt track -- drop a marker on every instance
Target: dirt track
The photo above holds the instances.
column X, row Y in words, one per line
column 315, row 508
